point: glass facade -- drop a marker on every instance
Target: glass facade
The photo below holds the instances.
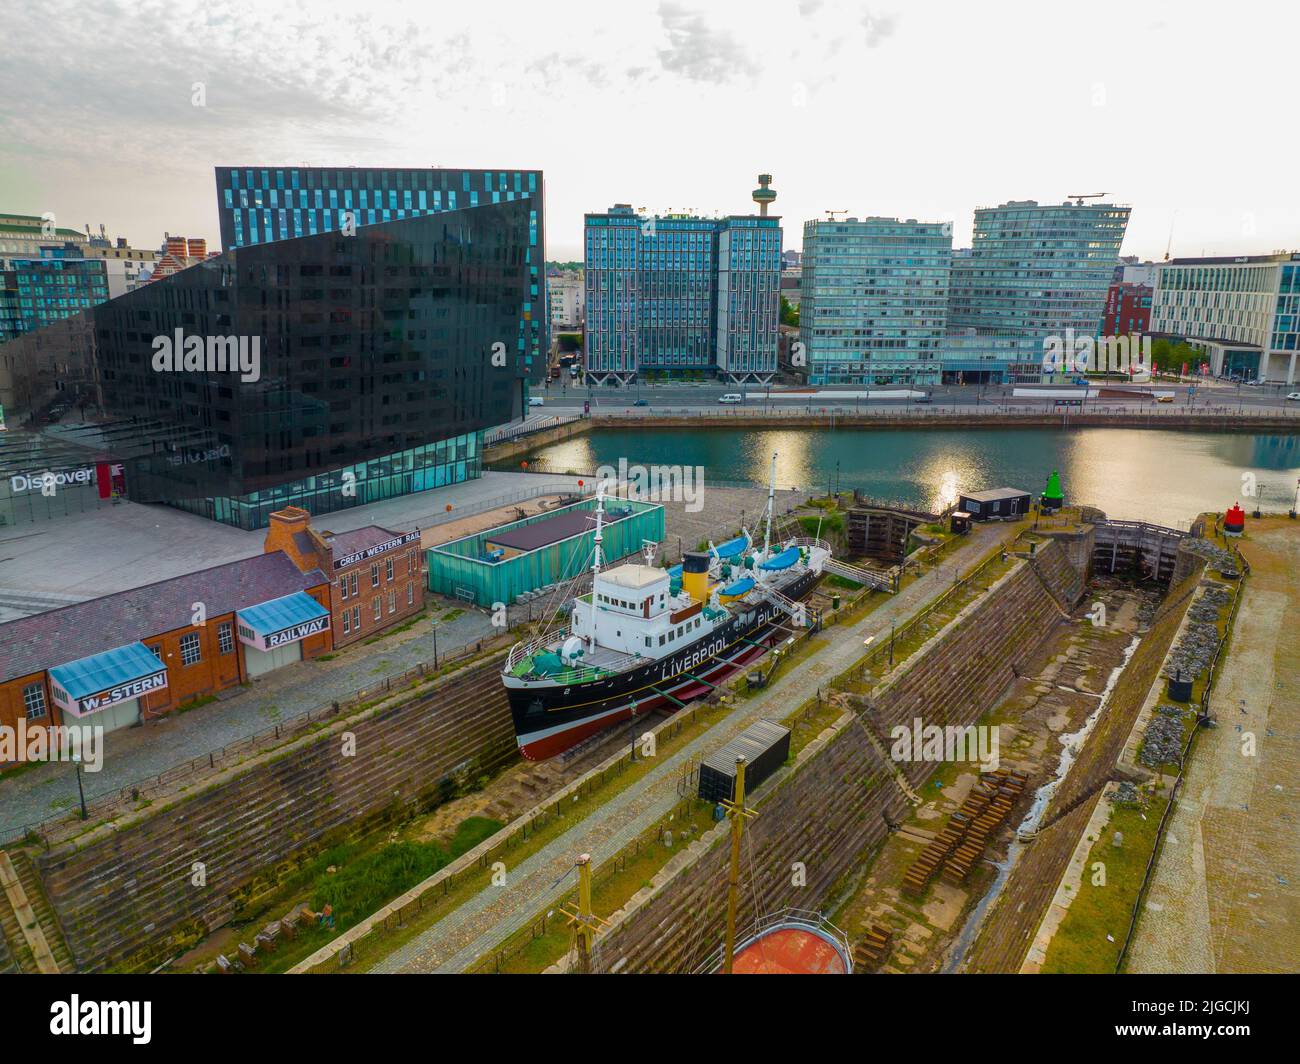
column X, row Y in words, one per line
column 680, row 295
column 873, row 299
column 40, row 291
column 258, row 204
column 382, row 357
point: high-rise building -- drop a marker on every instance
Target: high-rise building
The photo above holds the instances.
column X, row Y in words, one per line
column 678, row 295
column 370, row 361
column 565, row 291
column 1243, row 312
column 35, row 292
column 874, row 298
column 1034, row 271
column 258, row 204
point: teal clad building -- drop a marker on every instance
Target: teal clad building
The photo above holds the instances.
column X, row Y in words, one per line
column 874, row 300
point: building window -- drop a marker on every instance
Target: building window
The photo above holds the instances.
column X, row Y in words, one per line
column 34, row 700
column 392, row 602
column 225, row 638
column 347, row 621
column 379, row 607
column 356, row 618
column 157, row 651
column 190, row 653
column 354, row 585
column 343, row 584
column 374, row 575
column 388, row 569
column 410, row 594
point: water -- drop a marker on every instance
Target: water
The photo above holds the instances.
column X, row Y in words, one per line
column 1137, row 474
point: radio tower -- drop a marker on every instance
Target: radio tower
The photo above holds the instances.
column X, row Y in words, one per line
column 763, row 195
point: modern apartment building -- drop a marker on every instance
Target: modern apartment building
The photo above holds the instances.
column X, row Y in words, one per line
column 23, row 235
column 259, row 204
column 1244, row 312
column 681, row 295
column 1034, row 271
column 874, row 300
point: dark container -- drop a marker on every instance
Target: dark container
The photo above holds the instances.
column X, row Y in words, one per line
column 764, row 745
column 1180, row 690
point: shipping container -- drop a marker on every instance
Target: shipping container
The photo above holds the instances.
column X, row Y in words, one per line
column 765, row 746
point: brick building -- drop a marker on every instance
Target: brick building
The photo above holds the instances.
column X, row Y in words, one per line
column 132, row 656
column 1128, row 309
column 375, row 575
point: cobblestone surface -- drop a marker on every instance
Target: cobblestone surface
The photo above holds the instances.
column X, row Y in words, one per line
column 483, row 921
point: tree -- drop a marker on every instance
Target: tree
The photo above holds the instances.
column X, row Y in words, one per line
column 789, row 313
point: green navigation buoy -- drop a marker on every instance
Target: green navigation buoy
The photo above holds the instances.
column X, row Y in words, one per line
column 1053, row 499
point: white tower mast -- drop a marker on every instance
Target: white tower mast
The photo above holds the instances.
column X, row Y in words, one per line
column 600, row 517
column 771, row 496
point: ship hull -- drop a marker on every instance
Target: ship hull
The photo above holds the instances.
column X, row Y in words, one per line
column 550, row 719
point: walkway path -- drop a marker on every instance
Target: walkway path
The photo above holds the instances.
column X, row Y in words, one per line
column 473, row 929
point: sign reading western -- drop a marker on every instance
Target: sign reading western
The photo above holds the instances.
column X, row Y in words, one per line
column 378, row 548
column 111, row 696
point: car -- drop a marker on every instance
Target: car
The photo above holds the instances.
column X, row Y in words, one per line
column 923, row 399
column 642, row 402
column 1294, row 396
column 1164, row 398
column 536, row 400
column 731, row 397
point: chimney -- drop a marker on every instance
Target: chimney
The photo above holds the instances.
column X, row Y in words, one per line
column 283, row 534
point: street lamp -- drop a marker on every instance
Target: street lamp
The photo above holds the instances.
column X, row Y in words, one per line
column 433, row 624
column 81, row 793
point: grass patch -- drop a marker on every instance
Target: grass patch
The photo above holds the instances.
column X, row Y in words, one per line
column 1080, row 944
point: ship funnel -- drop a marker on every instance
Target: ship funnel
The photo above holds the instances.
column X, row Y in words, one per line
column 695, row 575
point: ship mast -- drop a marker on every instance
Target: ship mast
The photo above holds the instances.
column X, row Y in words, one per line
column 737, row 813
column 600, row 517
column 771, row 499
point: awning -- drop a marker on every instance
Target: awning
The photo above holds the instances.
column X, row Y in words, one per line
column 102, row 680
column 282, row 621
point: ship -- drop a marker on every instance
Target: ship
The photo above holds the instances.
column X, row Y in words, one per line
column 646, row 638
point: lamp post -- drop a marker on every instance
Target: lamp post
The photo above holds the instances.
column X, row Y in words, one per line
column 892, row 626
column 434, row 626
column 81, row 793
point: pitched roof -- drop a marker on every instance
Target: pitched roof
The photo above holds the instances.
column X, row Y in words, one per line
column 56, row 637
column 359, row 539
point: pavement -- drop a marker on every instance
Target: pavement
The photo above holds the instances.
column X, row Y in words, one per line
column 132, row 755
column 542, row 880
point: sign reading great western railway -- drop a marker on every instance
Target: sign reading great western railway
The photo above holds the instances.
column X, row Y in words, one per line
column 378, row 548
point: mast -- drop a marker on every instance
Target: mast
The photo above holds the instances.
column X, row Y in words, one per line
column 771, row 501
column 600, row 517
column 737, row 813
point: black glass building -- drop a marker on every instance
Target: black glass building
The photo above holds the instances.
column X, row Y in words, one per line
column 382, row 354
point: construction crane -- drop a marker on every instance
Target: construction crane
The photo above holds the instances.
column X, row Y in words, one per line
column 830, row 215
column 1080, row 197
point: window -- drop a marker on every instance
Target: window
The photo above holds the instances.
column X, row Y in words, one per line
column 190, row 652
column 392, row 602
column 34, row 700
column 225, row 638
column 378, row 605
column 661, row 640
column 374, row 575
column 347, row 621
column 157, row 651
column 356, row 618
column 388, row 569
column 343, row 585
column 410, row 594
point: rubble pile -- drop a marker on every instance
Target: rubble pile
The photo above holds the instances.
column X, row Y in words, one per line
column 1162, row 742
column 1212, row 552
column 1191, row 657
column 1210, row 604
column 1125, row 793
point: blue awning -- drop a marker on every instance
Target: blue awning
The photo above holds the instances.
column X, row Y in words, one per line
column 104, row 679
column 781, row 561
column 282, row 620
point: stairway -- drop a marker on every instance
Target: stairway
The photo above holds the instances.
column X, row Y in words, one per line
column 27, row 920
column 797, row 611
column 872, row 578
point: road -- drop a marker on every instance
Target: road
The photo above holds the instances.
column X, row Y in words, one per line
column 541, row 880
column 562, row 397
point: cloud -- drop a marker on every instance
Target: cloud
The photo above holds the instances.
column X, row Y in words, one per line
column 698, row 51
column 878, row 27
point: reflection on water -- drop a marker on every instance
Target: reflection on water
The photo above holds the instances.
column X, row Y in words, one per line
column 1139, row 474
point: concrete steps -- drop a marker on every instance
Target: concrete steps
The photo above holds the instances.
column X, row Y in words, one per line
column 31, row 884
column 22, row 925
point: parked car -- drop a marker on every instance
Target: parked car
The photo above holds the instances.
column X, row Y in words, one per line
column 731, row 397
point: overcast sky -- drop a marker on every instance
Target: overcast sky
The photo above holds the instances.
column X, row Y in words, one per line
column 911, row 108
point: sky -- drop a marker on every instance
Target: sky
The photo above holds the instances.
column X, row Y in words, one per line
column 117, row 112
